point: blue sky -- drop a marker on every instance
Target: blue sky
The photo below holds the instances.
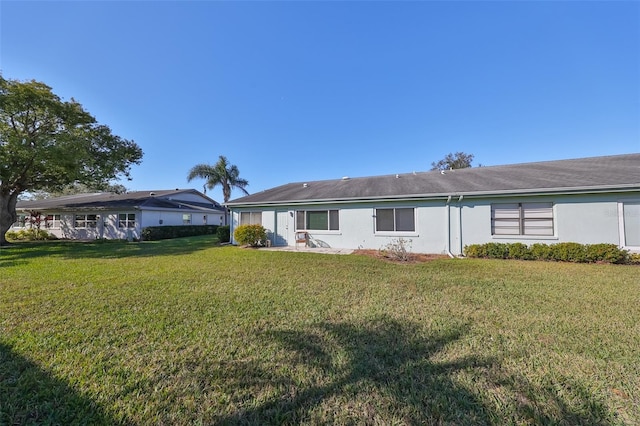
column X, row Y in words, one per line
column 299, row 90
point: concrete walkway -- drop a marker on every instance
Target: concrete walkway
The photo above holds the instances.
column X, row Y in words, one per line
column 324, row 250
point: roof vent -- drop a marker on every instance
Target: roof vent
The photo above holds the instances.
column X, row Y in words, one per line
column 152, row 193
column 304, row 185
column 397, row 176
column 345, row 178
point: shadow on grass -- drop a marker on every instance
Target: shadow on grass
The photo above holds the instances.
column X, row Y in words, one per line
column 377, row 373
column 384, row 372
column 29, row 395
column 20, row 253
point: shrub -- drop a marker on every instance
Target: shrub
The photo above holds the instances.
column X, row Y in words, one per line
column 224, row 234
column 252, row 235
column 30, row 234
column 518, row 251
column 609, row 253
column 569, row 252
column 475, row 250
column 155, row 233
column 497, row 250
column 540, row 251
column 563, row 252
column 398, row 249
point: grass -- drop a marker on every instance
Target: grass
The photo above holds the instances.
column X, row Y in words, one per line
column 184, row 332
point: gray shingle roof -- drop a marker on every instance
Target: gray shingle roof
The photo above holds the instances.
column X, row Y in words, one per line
column 584, row 174
column 129, row 200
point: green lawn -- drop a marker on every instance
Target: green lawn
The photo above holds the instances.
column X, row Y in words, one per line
column 184, row 332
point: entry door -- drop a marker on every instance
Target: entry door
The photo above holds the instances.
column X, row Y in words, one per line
column 282, row 228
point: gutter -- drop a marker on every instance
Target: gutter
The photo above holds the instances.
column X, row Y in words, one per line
column 436, row 196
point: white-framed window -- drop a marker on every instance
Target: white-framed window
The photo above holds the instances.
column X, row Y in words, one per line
column 317, row 220
column 250, row 218
column 21, row 221
column 395, row 219
column 204, row 219
column 186, row 219
column 86, row 221
column 126, row 220
column 52, row 221
column 629, row 219
column 522, row 219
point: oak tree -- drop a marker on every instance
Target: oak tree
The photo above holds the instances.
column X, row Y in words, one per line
column 47, row 144
column 459, row 160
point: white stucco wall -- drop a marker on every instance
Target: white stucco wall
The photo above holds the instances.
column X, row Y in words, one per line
column 108, row 223
column 585, row 219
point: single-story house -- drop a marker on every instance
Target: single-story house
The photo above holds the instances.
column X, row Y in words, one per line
column 120, row 216
column 586, row 200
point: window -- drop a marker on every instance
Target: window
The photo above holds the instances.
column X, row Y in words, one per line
column 126, row 220
column 86, row 221
column 317, row 220
column 396, row 220
column 52, row 221
column 21, row 222
column 631, row 224
column 186, row 219
column 522, row 219
column 250, row 218
column 204, row 219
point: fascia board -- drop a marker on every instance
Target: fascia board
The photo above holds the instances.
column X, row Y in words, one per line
column 445, row 195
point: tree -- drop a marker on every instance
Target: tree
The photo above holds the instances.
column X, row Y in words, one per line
column 47, row 144
column 221, row 173
column 77, row 188
column 459, row 160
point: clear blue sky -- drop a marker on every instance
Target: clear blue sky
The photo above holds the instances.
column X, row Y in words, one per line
column 297, row 90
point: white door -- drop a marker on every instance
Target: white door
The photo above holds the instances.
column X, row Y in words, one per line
column 282, row 229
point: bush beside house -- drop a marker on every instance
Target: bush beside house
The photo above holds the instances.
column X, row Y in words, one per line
column 155, row 233
column 561, row 252
column 251, row 235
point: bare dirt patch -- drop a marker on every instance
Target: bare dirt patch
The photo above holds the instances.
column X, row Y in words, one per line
column 412, row 257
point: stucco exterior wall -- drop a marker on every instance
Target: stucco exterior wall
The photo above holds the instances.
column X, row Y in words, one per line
column 442, row 227
column 585, row 219
column 175, row 218
column 108, row 223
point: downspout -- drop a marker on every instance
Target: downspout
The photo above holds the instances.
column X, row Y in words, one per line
column 460, row 224
column 449, row 227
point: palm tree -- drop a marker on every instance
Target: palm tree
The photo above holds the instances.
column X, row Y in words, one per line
column 221, row 173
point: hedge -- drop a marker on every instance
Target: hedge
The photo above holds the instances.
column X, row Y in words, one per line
column 561, row 252
column 224, row 234
column 30, row 234
column 155, row 233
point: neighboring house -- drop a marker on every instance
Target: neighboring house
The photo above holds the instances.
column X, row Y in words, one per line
column 120, row 216
column 588, row 200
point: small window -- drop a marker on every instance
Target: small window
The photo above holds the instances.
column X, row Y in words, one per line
column 52, row 221
column 522, row 219
column 317, row 220
column 186, row 219
column 396, row 220
column 21, row 222
column 250, row 218
column 126, row 220
column 86, row 221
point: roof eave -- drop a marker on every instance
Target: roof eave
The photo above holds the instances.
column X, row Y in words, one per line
column 445, row 195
